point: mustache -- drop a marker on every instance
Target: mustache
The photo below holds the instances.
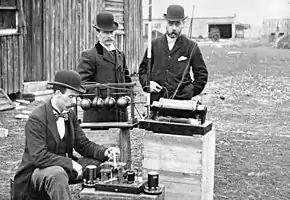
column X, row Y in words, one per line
column 173, row 33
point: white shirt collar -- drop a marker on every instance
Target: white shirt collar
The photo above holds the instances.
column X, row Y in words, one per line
column 170, row 40
column 110, row 48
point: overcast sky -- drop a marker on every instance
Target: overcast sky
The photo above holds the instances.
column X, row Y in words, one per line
column 248, row 11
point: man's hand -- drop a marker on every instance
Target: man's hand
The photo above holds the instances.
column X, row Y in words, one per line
column 155, row 87
column 111, row 151
column 78, row 169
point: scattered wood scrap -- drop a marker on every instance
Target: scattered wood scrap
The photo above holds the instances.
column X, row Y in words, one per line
column 5, row 101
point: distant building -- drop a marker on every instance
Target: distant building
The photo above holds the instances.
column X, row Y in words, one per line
column 275, row 27
column 202, row 26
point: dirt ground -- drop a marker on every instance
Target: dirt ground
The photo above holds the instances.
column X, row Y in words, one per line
column 247, row 96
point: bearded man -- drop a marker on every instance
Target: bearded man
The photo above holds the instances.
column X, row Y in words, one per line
column 174, row 58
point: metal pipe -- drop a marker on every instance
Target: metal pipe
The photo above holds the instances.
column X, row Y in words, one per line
column 149, row 55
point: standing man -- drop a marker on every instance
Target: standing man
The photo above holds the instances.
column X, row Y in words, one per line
column 52, row 132
column 104, row 64
column 174, row 56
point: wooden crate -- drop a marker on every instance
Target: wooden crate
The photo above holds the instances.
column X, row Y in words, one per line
column 91, row 194
column 185, row 164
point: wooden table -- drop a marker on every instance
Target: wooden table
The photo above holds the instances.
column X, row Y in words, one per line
column 91, row 194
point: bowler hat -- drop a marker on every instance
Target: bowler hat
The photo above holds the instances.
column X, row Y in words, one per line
column 69, row 79
column 105, row 22
column 175, row 13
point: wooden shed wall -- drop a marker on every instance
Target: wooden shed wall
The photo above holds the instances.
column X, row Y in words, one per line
column 11, row 62
column 67, row 30
column 58, row 30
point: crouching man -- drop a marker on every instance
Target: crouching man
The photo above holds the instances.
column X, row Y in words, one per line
column 52, row 131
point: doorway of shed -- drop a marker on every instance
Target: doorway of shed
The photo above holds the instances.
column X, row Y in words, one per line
column 224, row 29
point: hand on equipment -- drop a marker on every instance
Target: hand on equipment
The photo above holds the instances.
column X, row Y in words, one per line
column 78, row 169
column 112, row 152
column 155, row 87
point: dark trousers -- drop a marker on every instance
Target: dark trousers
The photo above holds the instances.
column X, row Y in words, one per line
column 52, row 183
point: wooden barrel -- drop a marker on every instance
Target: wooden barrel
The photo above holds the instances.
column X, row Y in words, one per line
column 185, row 164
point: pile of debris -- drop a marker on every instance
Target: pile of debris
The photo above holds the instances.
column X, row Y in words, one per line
column 283, row 42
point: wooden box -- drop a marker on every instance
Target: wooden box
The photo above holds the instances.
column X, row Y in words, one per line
column 185, row 164
column 91, row 194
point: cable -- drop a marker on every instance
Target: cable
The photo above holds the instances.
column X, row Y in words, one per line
column 184, row 72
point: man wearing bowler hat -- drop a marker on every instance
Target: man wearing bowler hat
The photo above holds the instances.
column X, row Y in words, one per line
column 52, row 131
column 174, row 57
column 103, row 63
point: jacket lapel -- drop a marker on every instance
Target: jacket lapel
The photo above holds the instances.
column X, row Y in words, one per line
column 51, row 123
column 120, row 74
column 164, row 43
column 118, row 59
column 108, row 56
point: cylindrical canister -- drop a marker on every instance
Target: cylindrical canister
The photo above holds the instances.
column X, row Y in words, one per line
column 130, row 176
column 153, row 178
column 91, row 173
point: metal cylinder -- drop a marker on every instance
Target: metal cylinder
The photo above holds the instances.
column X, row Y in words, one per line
column 153, row 179
column 91, row 173
column 130, row 176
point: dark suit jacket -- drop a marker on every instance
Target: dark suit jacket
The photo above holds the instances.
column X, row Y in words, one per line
column 42, row 145
column 167, row 71
column 99, row 65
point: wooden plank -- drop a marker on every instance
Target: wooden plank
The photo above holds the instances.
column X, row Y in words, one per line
column 89, row 22
column 56, row 37
column 52, row 48
column 180, row 185
column 5, row 67
column 65, row 34
column 115, row 8
column 9, row 104
column 126, row 29
column 73, row 66
column 47, row 42
column 15, row 74
column 125, row 146
column 77, row 30
column 33, row 67
column 44, row 40
column 81, row 27
column 69, row 32
column 10, row 67
column 93, row 11
column 107, row 125
column 166, row 152
column 21, row 62
column 39, row 42
column 8, row 8
column 1, row 61
column 61, row 35
column 175, row 128
column 208, row 163
column 116, row 1
column 86, row 24
column 92, row 194
column 34, row 86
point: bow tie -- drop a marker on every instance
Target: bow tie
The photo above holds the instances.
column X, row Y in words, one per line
column 58, row 115
column 63, row 115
